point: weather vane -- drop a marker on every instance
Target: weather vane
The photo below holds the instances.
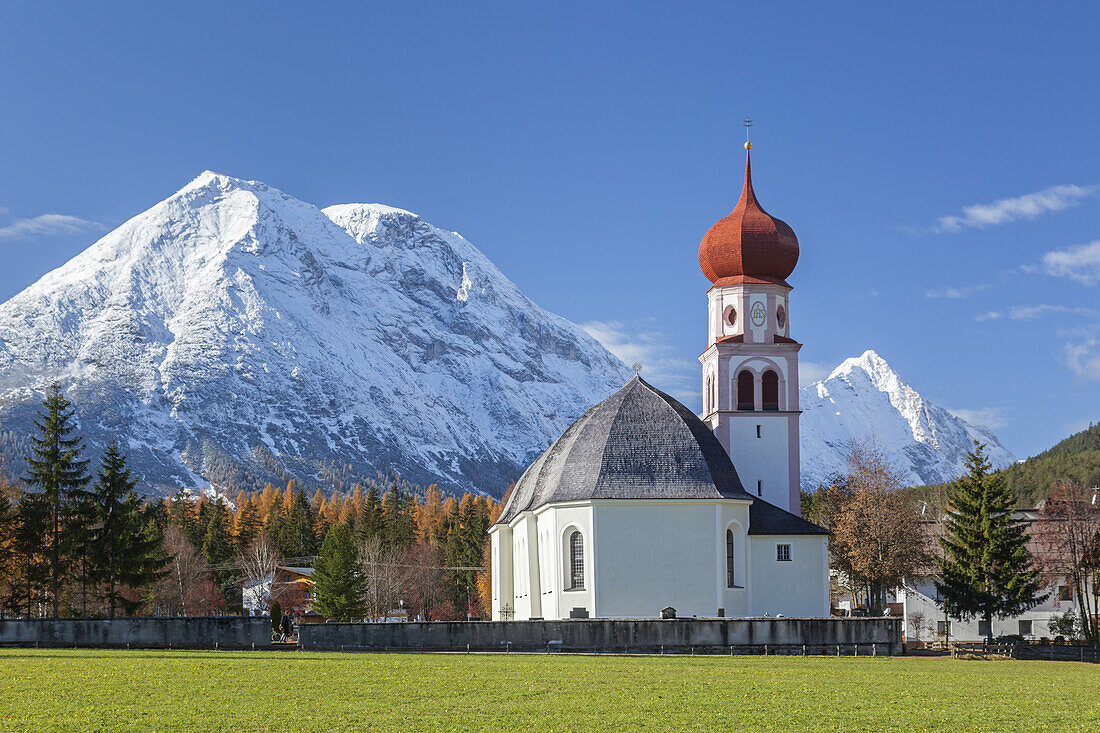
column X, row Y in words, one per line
column 747, row 123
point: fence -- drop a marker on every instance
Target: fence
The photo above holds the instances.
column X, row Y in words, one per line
column 1028, row 650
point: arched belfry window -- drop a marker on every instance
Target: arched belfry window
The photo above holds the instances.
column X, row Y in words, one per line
column 731, row 575
column 576, row 560
column 769, row 388
column 746, row 400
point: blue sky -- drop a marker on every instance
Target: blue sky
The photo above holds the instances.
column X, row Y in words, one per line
column 939, row 164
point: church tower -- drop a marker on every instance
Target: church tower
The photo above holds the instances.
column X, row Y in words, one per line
column 750, row 366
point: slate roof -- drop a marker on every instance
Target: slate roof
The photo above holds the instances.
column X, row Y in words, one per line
column 639, row 443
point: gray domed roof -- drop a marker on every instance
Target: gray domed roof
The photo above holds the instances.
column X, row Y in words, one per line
column 639, row 443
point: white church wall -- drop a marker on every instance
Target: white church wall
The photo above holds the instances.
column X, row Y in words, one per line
column 798, row 587
column 733, row 601
column 655, row 554
column 500, row 542
column 559, row 522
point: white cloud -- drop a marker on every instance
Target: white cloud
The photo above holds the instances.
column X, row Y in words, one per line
column 1084, row 358
column 1080, row 263
column 988, row 316
column 637, row 342
column 962, row 292
column 48, row 225
column 1032, row 312
column 991, row 417
column 1029, row 206
column 810, row 372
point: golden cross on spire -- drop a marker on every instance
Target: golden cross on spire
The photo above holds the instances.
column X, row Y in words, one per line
column 747, row 123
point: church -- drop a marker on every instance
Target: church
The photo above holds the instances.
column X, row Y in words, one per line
column 642, row 505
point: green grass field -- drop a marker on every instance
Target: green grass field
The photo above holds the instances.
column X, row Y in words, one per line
column 295, row 691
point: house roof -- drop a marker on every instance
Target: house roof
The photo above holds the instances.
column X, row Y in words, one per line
column 640, row 443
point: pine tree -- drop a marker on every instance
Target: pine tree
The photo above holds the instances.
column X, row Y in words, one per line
column 986, row 570
column 58, row 471
column 339, row 589
column 248, row 525
column 126, row 546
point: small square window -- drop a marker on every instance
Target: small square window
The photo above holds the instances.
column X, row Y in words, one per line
column 783, row 553
column 1065, row 593
column 943, row 628
column 983, row 628
column 1025, row 628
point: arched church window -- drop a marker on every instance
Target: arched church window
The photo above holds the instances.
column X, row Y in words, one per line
column 745, row 384
column 731, row 576
column 770, row 390
column 576, row 560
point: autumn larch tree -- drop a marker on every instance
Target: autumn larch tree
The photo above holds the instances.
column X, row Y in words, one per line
column 986, row 569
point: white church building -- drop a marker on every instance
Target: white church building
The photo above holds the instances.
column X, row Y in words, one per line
column 638, row 505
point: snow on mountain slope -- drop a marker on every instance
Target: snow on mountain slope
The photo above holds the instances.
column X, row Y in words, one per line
column 864, row 398
column 233, row 334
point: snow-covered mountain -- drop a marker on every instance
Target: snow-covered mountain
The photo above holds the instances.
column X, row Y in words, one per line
column 233, row 334
column 864, row 398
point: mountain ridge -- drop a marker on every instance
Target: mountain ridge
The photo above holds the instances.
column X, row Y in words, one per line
column 864, row 398
column 234, row 334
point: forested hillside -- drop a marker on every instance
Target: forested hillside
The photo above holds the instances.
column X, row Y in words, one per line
column 1076, row 458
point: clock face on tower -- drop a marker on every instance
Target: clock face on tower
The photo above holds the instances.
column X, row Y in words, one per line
column 758, row 313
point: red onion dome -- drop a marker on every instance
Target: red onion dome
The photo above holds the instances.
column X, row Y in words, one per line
column 749, row 245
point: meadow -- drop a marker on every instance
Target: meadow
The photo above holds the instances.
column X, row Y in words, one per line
column 97, row 690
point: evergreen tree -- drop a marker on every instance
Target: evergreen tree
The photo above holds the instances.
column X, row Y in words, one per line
column 58, row 471
column 397, row 519
column 126, row 546
column 339, row 588
column 986, row 570
column 248, row 525
column 30, row 573
column 369, row 524
column 217, row 540
column 182, row 513
column 218, row 548
column 297, row 531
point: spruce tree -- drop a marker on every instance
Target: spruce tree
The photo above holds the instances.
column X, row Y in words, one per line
column 182, row 513
column 986, row 570
column 58, row 471
column 30, row 572
column 369, row 524
column 218, row 548
column 248, row 525
column 126, row 546
column 397, row 519
column 297, row 532
column 339, row 588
